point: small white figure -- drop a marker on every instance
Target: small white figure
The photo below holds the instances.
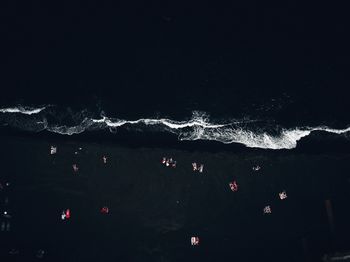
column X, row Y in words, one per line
column 194, row 166
column 282, row 195
column 169, row 162
column 53, row 150
column 75, row 167
column 267, row 210
column 200, row 169
column 63, row 215
column 194, row 241
column 256, row 168
column 6, row 214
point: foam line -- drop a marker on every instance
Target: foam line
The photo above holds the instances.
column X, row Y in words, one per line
column 22, row 110
column 251, row 133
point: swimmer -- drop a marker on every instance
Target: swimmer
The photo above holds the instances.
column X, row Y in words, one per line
column 75, row 167
column 267, row 210
column 104, row 158
column 256, row 168
column 53, row 150
column 164, row 160
column 282, row 195
column 194, row 166
column 194, row 241
column 63, row 215
column 104, row 210
column 233, row 185
column 67, row 213
column 200, row 169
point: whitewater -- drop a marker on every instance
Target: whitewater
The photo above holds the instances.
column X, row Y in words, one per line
column 198, row 127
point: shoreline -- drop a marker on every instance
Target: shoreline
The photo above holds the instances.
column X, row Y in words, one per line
column 314, row 144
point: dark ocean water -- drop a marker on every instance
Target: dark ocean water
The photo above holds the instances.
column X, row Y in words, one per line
column 236, row 83
column 258, row 70
column 154, row 210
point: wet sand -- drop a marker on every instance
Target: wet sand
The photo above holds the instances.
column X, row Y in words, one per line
column 154, row 210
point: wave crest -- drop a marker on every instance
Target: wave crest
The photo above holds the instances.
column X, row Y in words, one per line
column 22, row 110
column 251, row 133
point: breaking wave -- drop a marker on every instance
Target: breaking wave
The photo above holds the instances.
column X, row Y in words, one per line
column 22, row 110
column 251, row 133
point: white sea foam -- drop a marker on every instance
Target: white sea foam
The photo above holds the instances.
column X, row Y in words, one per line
column 198, row 127
column 286, row 140
column 22, row 110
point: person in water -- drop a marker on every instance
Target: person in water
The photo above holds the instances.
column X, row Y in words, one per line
column 256, row 168
column 53, row 150
column 194, row 241
column 282, row 195
column 267, row 210
column 234, row 186
column 75, row 167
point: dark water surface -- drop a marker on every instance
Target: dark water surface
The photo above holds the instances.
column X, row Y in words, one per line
column 155, row 210
column 229, row 85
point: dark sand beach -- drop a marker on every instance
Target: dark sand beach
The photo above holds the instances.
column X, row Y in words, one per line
column 154, row 210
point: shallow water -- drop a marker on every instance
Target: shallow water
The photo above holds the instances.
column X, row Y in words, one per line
column 154, row 210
